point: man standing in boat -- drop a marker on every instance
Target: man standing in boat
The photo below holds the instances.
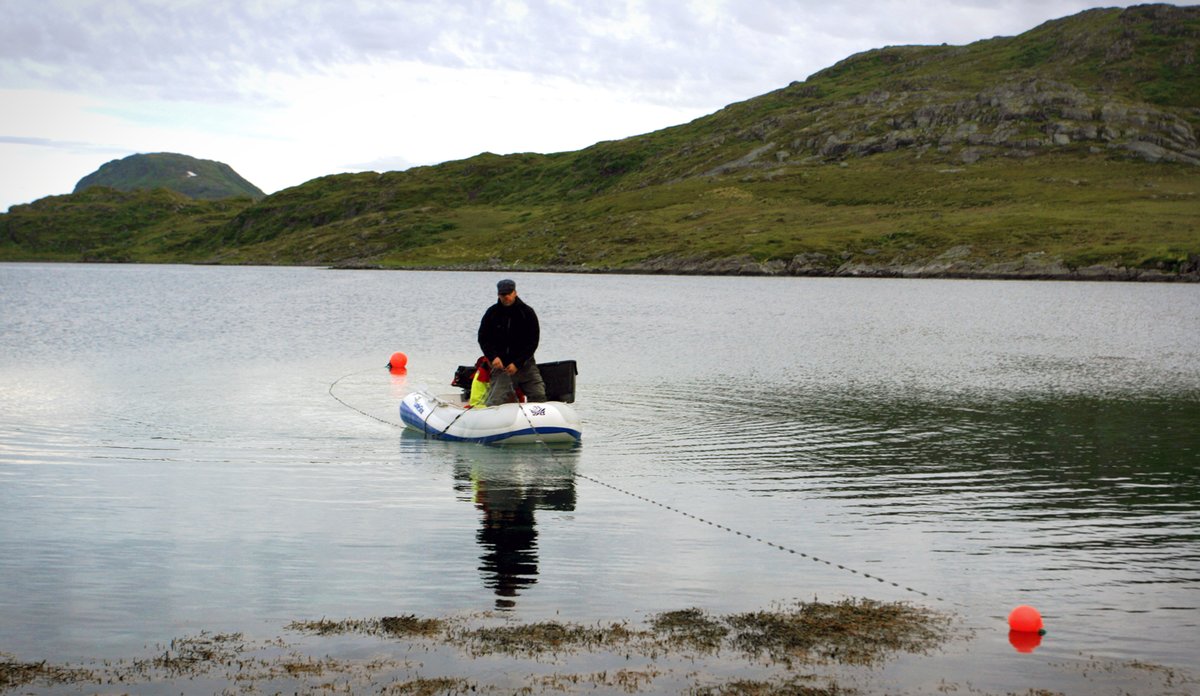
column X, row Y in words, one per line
column 508, row 336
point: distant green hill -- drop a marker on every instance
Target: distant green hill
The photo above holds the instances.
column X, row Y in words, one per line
column 194, row 178
column 1069, row 151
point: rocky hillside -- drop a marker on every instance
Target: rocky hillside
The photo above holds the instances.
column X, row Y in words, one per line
column 1105, row 81
column 1069, row 151
column 194, row 178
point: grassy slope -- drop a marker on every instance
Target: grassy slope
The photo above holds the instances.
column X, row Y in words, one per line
column 103, row 224
column 757, row 180
column 879, row 209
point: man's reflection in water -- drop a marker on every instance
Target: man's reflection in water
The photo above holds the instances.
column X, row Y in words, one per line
column 507, row 493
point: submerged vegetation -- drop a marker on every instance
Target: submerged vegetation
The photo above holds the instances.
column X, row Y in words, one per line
column 805, row 648
column 1067, row 151
column 860, row 632
column 770, row 651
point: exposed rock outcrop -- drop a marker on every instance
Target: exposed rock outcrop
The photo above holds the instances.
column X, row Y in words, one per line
column 1016, row 119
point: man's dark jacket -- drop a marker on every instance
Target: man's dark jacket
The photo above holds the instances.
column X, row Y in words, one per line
column 510, row 333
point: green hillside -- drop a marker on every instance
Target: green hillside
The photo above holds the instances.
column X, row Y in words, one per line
column 1067, row 151
column 104, row 224
column 194, row 178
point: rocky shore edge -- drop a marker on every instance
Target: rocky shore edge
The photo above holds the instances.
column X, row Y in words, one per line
column 956, row 263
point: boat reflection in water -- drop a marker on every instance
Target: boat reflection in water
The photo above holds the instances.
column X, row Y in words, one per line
column 508, row 488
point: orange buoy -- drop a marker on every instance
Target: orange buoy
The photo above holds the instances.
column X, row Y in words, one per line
column 398, row 362
column 1025, row 619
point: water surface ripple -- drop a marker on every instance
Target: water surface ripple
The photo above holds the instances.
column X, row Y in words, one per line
column 171, row 459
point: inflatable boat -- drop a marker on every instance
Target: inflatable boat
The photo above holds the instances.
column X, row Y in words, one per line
column 448, row 418
column 549, row 421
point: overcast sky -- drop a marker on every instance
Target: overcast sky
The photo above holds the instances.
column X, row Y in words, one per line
column 288, row 90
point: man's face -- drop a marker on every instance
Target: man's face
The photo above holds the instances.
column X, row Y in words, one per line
column 507, row 298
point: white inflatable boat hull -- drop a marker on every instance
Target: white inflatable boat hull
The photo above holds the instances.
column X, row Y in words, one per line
column 549, row 422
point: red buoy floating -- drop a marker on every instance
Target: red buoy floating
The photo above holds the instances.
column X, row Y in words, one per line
column 1025, row 619
column 1025, row 628
column 398, row 363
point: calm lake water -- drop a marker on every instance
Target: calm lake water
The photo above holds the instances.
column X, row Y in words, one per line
column 204, row 448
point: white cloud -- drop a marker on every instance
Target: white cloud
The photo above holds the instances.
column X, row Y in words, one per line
column 287, row 90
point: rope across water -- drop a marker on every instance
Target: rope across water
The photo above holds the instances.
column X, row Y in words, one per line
column 772, row 544
column 351, row 406
column 592, row 479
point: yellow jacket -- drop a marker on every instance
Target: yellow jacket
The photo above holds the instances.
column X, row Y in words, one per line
column 479, row 392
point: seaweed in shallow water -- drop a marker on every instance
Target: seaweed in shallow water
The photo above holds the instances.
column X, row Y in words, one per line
column 692, row 627
column 859, row 631
column 14, row 673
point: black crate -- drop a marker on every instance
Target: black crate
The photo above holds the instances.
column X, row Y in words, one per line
column 560, row 380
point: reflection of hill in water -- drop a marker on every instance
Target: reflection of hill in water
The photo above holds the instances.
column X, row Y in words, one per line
column 508, row 488
column 1095, row 482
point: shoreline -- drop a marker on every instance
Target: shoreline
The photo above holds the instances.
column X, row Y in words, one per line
column 855, row 646
column 767, row 270
column 925, row 270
